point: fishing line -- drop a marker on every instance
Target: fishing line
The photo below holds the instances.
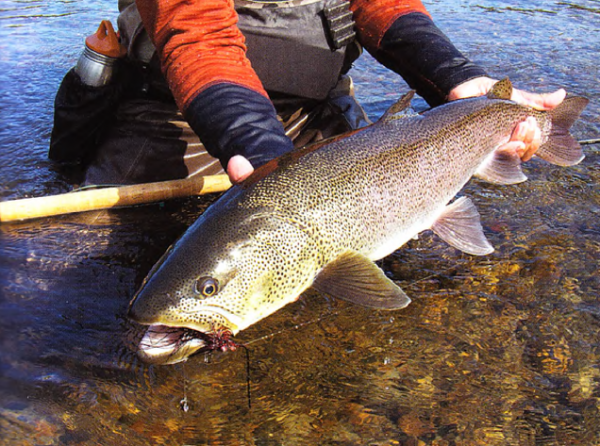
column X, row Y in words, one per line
column 183, row 404
column 270, row 335
column 589, row 141
column 295, row 327
column 247, row 350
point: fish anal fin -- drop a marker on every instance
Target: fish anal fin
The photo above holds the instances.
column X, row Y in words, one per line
column 501, row 90
column 355, row 278
column 400, row 109
column 503, row 166
column 460, row 226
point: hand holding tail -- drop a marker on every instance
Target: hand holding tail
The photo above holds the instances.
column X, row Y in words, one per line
column 526, row 137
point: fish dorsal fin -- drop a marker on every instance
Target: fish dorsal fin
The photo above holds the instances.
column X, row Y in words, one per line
column 502, row 166
column 400, row 109
column 501, row 90
column 355, row 278
column 460, row 226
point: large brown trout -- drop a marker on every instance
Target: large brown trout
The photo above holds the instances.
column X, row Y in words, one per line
column 321, row 216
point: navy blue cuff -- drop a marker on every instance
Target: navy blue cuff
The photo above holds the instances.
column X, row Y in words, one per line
column 233, row 120
column 422, row 54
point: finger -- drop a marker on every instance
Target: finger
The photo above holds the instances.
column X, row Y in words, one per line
column 513, row 146
column 543, row 101
column 534, row 138
column 519, row 132
column 530, row 130
column 529, row 133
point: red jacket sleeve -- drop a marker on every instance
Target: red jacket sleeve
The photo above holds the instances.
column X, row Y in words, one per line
column 401, row 35
column 199, row 45
column 374, row 17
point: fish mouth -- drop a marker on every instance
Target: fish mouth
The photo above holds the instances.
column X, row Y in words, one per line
column 162, row 344
column 170, row 344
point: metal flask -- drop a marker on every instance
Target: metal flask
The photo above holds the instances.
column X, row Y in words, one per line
column 97, row 64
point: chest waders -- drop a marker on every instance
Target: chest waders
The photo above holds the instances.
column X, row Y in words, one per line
column 300, row 49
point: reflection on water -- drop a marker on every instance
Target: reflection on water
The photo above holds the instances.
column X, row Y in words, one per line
column 493, row 351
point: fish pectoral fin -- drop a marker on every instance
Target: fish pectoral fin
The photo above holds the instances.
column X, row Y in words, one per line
column 502, row 167
column 355, row 278
column 460, row 226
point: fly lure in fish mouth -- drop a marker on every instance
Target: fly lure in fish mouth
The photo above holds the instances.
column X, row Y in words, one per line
column 220, row 339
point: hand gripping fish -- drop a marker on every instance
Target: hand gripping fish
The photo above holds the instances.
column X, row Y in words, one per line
column 320, row 216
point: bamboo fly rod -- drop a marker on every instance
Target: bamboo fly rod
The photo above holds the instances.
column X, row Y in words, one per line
column 110, row 197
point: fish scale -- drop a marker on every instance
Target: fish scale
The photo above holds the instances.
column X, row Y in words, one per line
column 321, row 216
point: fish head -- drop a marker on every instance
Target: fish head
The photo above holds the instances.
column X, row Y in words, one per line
column 213, row 283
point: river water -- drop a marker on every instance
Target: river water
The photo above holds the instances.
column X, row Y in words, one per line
column 499, row 350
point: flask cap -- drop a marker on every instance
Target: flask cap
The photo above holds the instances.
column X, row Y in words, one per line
column 105, row 41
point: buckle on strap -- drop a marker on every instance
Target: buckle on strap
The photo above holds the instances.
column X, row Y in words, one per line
column 340, row 23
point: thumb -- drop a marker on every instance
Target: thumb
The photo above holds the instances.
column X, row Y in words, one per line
column 238, row 169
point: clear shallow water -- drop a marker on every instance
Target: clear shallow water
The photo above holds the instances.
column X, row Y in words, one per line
column 493, row 351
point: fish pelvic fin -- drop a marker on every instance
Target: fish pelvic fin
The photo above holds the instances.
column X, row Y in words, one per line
column 460, row 226
column 502, row 167
column 561, row 148
column 501, row 90
column 400, row 109
column 355, row 278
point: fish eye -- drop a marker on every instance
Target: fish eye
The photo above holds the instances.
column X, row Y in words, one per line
column 207, row 286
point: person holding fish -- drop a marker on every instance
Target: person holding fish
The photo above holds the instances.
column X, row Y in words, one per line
column 232, row 84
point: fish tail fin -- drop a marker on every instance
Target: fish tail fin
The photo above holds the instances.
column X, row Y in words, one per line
column 561, row 148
